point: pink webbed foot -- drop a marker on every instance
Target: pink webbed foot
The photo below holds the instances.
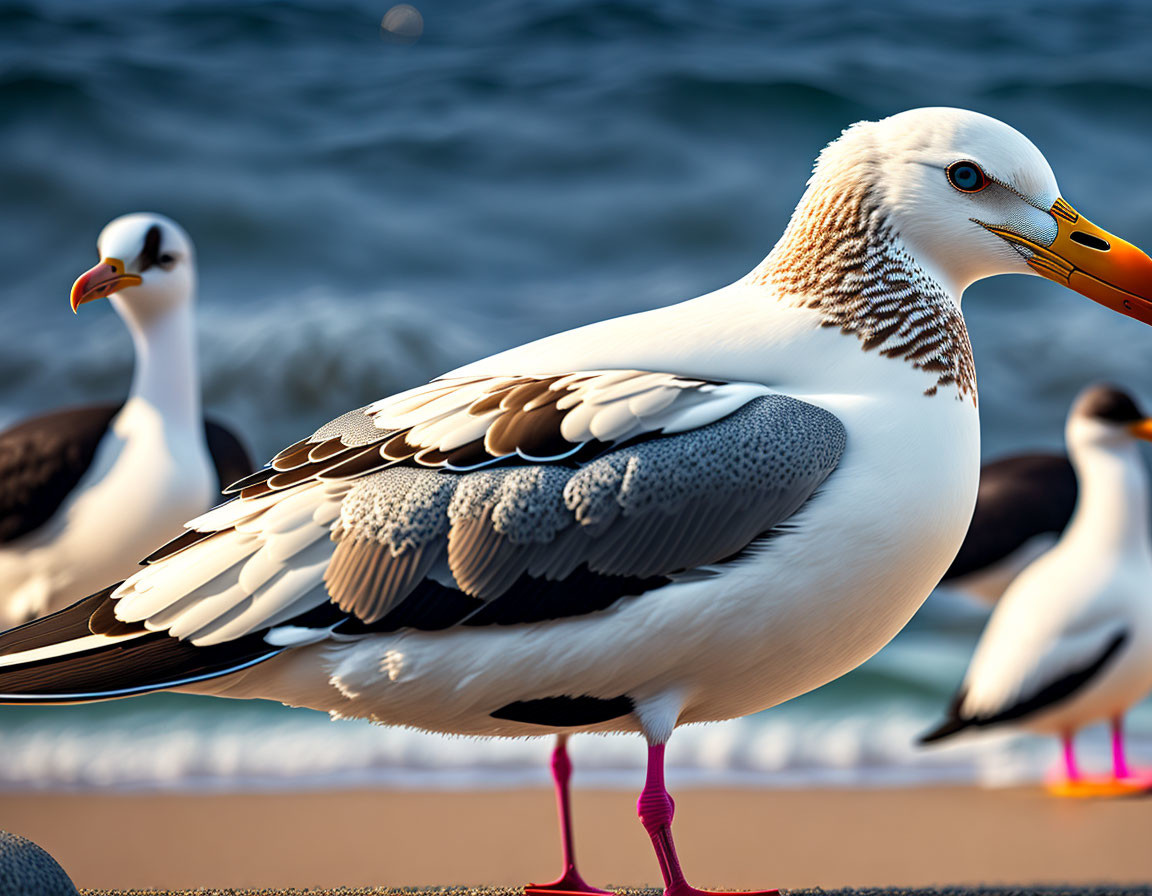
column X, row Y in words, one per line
column 1123, row 781
column 686, row 890
column 569, row 882
column 1096, row 787
column 1137, row 780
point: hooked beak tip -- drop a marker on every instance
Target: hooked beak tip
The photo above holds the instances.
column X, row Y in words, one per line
column 100, row 282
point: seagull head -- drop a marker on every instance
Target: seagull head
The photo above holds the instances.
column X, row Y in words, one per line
column 972, row 197
column 1105, row 416
column 146, row 265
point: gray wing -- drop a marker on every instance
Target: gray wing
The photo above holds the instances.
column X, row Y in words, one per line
column 428, row 548
column 651, row 509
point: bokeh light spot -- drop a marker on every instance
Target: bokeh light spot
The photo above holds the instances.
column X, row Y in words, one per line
column 402, row 24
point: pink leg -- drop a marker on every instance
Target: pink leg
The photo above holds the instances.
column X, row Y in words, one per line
column 1120, row 769
column 1071, row 770
column 570, row 881
column 656, row 809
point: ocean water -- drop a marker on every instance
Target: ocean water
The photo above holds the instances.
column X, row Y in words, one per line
column 368, row 214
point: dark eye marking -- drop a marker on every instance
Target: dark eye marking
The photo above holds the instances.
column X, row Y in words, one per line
column 150, row 254
column 967, row 177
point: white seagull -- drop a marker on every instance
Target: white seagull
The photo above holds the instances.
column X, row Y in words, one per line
column 86, row 491
column 1070, row 642
column 684, row 515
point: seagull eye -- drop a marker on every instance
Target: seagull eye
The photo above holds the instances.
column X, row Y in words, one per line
column 967, row 177
column 166, row 260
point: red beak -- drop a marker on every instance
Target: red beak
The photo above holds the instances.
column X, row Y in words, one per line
column 100, row 282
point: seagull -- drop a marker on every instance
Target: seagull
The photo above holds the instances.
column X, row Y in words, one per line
column 86, row 491
column 1070, row 643
column 1023, row 505
column 684, row 515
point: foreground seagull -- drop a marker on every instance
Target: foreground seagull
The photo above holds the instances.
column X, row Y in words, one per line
column 1023, row 505
column 86, row 491
column 1070, row 643
column 684, row 515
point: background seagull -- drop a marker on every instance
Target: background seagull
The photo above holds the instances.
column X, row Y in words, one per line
column 1023, row 505
column 684, row 515
column 86, row 491
column 1070, row 643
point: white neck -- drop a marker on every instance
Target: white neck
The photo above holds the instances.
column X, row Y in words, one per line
column 1112, row 506
column 166, row 375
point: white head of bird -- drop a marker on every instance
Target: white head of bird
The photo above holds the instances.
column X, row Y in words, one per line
column 147, row 268
column 1105, row 418
column 970, row 197
column 1112, row 507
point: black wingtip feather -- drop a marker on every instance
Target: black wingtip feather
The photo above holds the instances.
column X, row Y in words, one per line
column 185, row 539
column 256, row 478
column 63, row 625
column 947, row 728
column 954, row 721
column 136, row 662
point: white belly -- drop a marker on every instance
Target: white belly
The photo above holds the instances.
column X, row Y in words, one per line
column 810, row 605
column 144, row 483
column 1068, row 611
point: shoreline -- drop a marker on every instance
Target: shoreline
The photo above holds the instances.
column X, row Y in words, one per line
column 924, row 837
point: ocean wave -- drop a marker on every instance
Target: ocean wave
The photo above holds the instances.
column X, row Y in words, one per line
column 167, row 745
column 276, row 370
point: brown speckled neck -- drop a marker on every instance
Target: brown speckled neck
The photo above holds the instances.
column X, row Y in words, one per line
column 841, row 257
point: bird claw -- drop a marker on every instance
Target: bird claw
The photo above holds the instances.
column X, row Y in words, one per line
column 685, row 890
column 569, row 884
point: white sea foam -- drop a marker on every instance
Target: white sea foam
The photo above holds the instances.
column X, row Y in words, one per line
column 166, row 746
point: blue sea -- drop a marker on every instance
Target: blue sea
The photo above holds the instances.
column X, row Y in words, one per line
column 369, row 213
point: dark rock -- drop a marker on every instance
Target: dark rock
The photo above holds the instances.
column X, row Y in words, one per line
column 27, row 870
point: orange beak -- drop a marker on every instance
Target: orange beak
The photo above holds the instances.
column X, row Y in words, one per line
column 1092, row 262
column 100, row 282
column 1142, row 429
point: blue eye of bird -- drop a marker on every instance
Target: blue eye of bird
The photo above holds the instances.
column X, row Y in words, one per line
column 967, row 177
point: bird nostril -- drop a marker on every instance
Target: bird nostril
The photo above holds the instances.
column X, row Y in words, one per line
column 1092, row 242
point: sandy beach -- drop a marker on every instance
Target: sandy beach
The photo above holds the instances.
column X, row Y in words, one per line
column 736, row 839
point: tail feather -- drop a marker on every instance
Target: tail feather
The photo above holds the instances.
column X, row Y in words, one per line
column 82, row 654
column 954, row 722
column 945, row 729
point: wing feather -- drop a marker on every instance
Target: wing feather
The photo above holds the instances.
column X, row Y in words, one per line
column 676, row 473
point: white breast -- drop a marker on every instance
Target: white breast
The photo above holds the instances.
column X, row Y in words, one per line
column 146, row 479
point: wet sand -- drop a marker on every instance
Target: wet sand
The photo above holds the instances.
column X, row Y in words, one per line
column 932, row 837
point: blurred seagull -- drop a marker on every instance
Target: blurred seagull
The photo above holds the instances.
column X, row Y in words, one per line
column 1070, row 643
column 1023, row 505
column 684, row 515
column 86, row 491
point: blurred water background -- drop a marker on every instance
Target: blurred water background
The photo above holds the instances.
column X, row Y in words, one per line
column 369, row 214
